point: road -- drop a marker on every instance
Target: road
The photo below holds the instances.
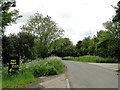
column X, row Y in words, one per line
column 85, row 75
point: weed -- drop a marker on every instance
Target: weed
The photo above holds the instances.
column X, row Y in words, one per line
column 95, row 59
column 28, row 71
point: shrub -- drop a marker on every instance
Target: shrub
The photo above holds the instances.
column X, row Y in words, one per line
column 48, row 66
column 95, row 59
column 17, row 80
column 27, row 71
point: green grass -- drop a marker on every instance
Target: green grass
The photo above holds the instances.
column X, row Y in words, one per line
column 48, row 66
column 29, row 71
column 17, row 80
column 94, row 59
column 0, row 79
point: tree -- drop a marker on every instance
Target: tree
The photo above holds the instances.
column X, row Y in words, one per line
column 6, row 49
column 41, row 50
column 45, row 28
column 20, row 45
column 107, row 45
column 85, row 45
column 113, row 27
column 7, row 17
column 79, row 44
column 78, row 48
column 25, row 45
column 117, row 16
column 63, row 47
column 92, row 46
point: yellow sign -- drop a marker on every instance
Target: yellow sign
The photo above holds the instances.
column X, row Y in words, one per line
column 13, row 65
column 13, row 62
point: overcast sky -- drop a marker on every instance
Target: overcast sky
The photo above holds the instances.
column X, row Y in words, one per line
column 79, row 18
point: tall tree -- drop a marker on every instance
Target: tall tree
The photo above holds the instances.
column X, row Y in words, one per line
column 79, row 44
column 20, row 45
column 85, row 45
column 25, row 45
column 7, row 17
column 117, row 16
column 63, row 47
column 114, row 45
column 45, row 28
column 92, row 46
column 107, row 45
column 6, row 49
column 78, row 47
column 113, row 27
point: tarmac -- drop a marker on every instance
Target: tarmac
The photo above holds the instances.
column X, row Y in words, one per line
column 110, row 66
column 58, row 82
column 61, row 81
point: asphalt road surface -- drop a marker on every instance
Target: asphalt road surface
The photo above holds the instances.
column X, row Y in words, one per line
column 85, row 75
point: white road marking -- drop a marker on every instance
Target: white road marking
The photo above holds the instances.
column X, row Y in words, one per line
column 68, row 85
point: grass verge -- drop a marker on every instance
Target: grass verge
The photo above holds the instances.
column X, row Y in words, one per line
column 29, row 71
column 0, row 79
column 94, row 59
column 17, row 80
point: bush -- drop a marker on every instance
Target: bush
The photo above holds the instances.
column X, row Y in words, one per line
column 27, row 72
column 95, row 59
column 17, row 80
column 48, row 66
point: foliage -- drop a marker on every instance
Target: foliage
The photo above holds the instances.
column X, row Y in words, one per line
column 25, row 45
column 42, row 37
column 117, row 16
column 95, row 59
column 108, row 45
column 16, row 80
column 63, row 47
column 113, row 27
column 45, row 28
column 78, row 48
column 105, row 44
column 48, row 66
column 84, row 46
column 6, row 49
column 40, row 49
column 28, row 71
column 21, row 45
column 7, row 17
column 92, row 46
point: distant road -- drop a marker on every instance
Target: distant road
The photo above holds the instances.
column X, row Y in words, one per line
column 85, row 75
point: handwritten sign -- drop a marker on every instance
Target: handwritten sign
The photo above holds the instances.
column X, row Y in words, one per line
column 13, row 65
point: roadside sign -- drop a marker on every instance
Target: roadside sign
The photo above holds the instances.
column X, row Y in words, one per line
column 13, row 65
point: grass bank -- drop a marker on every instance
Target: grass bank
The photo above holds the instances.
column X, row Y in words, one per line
column 94, row 59
column 29, row 71
column 0, row 79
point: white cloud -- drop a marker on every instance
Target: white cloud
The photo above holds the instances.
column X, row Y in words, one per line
column 79, row 18
column 14, row 28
